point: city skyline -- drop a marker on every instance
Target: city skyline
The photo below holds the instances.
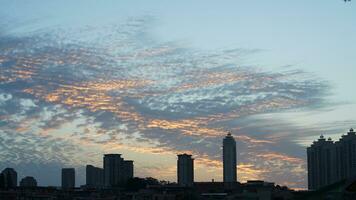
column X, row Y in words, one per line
column 116, row 171
column 151, row 80
column 329, row 162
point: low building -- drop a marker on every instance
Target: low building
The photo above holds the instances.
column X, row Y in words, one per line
column 9, row 176
column 28, row 181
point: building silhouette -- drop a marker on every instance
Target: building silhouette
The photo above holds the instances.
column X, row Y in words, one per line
column 229, row 159
column 9, row 176
column 321, row 157
column 117, row 170
column 330, row 162
column 128, row 170
column 28, row 181
column 68, row 178
column 112, row 163
column 94, row 176
column 185, row 170
column 346, row 156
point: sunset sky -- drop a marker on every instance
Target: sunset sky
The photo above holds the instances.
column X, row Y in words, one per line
column 151, row 79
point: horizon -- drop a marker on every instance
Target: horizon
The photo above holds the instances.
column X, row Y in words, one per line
column 150, row 80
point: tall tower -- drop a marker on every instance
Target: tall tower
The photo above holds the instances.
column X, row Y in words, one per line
column 68, row 178
column 321, row 163
column 346, row 156
column 185, row 170
column 229, row 159
column 112, row 168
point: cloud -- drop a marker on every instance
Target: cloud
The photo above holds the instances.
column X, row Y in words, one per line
column 113, row 88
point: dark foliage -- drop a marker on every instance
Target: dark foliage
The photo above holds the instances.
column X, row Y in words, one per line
column 136, row 183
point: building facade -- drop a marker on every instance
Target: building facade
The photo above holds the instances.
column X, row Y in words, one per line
column 128, row 170
column 68, row 178
column 185, row 170
column 117, row 170
column 330, row 162
column 321, row 158
column 112, row 168
column 229, row 159
column 346, row 156
column 10, row 177
column 94, row 176
column 28, row 181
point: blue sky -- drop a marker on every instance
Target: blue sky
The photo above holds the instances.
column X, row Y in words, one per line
column 150, row 79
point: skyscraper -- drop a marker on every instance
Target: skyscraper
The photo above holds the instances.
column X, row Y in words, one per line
column 94, row 176
column 185, row 170
column 346, row 156
column 321, row 167
column 68, row 178
column 229, row 159
column 329, row 162
column 112, row 168
column 10, row 177
column 117, row 170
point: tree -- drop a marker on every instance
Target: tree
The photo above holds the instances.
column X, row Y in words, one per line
column 135, row 184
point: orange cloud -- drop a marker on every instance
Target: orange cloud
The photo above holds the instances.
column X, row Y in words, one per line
column 279, row 156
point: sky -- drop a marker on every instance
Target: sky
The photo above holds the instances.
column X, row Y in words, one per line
column 152, row 79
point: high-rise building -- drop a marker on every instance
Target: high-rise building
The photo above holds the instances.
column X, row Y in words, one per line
column 117, row 170
column 68, row 178
column 321, row 158
column 229, row 159
column 185, row 170
column 10, row 177
column 28, row 181
column 128, row 170
column 112, row 168
column 94, row 176
column 329, row 162
column 346, row 156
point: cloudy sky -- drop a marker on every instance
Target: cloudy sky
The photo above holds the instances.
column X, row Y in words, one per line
column 151, row 79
